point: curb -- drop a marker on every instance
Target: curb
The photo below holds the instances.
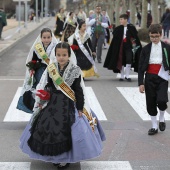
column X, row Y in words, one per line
column 15, row 42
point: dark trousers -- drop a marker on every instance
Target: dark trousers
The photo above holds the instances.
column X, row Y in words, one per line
column 127, row 54
column 1, row 28
column 98, row 42
column 156, row 90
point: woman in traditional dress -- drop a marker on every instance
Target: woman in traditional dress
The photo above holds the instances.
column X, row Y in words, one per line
column 81, row 16
column 36, row 63
column 82, row 47
column 63, row 129
column 69, row 26
column 60, row 18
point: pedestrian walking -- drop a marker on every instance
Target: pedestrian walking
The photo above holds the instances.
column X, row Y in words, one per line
column 154, row 63
column 165, row 20
column 99, row 23
column 62, row 130
column 82, row 47
column 124, row 49
column 81, row 16
column 69, row 27
column 60, row 19
column 3, row 21
column 36, row 64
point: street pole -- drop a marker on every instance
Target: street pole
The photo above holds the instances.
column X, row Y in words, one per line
column 26, row 13
column 42, row 8
column 19, row 15
column 36, row 10
column 45, row 8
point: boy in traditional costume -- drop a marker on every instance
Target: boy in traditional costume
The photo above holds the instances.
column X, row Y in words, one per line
column 154, row 63
column 124, row 49
column 63, row 129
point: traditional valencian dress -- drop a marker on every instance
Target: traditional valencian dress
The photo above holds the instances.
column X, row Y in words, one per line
column 56, row 133
column 69, row 29
column 84, row 54
column 60, row 18
column 26, row 100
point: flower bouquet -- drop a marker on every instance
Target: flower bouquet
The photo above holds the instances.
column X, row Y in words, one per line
column 32, row 65
column 134, row 47
column 74, row 47
column 42, row 100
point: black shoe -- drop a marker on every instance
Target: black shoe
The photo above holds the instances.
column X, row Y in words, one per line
column 60, row 166
column 56, row 164
column 128, row 79
column 152, row 131
column 162, row 126
column 121, row 79
column 99, row 61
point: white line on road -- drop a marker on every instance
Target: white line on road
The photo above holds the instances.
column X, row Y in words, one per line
column 15, row 165
column 15, row 115
column 131, row 76
column 137, row 101
column 105, row 165
column 11, row 79
column 94, row 104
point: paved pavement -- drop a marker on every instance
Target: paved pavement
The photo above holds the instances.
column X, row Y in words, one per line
column 128, row 147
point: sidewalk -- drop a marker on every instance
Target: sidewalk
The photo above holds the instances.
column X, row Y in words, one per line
column 12, row 33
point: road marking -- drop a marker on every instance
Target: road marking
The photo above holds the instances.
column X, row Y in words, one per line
column 137, row 101
column 130, row 76
column 11, row 79
column 105, row 165
column 15, row 115
column 94, row 104
column 15, row 165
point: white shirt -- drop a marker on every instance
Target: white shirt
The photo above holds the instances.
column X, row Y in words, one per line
column 124, row 34
column 156, row 54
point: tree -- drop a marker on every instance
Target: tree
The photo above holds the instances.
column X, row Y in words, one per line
column 144, row 13
column 154, row 7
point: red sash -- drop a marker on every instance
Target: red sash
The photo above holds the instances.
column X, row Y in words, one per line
column 154, row 68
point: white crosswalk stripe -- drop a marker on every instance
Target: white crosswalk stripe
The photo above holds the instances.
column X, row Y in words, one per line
column 89, row 165
column 130, row 76
column 15, row 115
column 137, row 101
column 105, row 165
column 15, row 165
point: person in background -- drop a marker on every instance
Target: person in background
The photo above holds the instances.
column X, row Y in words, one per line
column 3, row 21
column 99, row 23
column 165, row 20
column 60, row 19
column 124, row 49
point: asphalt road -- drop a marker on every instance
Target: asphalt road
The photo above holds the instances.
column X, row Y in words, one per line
column 128, row 147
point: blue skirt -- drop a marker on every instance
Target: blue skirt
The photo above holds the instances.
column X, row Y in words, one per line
column 86, row 144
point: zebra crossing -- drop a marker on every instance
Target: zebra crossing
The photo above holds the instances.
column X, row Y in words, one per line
column 88, row 165
column 15, row 115
column 135, row 99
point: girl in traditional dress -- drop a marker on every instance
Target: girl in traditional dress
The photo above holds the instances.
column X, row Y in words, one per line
column 84, row 51
column 36, row 66
column 69, row 26
column 60, row 18
column 63, row 129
